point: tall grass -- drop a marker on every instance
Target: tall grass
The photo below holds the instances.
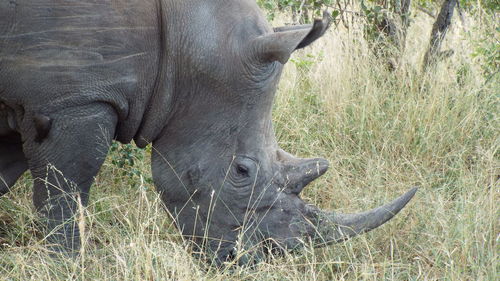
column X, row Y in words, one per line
column 382, row 132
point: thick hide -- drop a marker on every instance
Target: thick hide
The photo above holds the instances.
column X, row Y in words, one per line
column 196, row 79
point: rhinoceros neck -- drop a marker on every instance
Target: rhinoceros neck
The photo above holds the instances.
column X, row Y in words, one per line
column 192, row 41
column 160, row 105
column 180, row 27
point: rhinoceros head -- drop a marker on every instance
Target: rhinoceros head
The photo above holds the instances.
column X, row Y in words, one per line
column 217, row 163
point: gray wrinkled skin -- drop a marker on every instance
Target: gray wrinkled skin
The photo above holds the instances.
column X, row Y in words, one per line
column 195, row 78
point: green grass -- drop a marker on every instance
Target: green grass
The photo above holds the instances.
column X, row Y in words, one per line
column 383, row 132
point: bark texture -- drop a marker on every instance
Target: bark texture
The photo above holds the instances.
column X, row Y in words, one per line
column 439, row 30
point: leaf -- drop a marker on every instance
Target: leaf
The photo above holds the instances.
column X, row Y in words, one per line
column 335, row 14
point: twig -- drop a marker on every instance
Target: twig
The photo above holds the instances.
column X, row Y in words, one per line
column 427, row 11
column 490, row 77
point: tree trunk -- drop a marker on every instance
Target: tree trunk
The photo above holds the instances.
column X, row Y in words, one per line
column 439, row 30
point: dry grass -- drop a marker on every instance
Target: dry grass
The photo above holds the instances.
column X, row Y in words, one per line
column 383, row 132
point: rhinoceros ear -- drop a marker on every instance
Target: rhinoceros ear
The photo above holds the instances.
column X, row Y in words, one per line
column 280, row 45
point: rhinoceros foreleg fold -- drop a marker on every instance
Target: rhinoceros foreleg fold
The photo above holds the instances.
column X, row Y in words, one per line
column 64, row 166
column 12, row 163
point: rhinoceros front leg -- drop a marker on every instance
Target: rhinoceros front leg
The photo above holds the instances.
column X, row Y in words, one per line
column 64, row 160
column 12, row 163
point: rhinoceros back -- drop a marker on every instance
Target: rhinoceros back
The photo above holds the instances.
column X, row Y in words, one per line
column 57, row 54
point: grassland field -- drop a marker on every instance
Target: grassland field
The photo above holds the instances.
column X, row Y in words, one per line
column 382, row 131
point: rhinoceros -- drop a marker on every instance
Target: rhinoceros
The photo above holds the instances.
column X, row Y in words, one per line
column 196, row 79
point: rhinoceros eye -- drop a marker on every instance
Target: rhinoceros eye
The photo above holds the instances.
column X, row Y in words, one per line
column 242, row 170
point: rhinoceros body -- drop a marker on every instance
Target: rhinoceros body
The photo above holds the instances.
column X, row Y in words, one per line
column 197, row 80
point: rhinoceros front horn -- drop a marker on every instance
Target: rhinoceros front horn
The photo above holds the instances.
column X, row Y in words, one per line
column 333, row 227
